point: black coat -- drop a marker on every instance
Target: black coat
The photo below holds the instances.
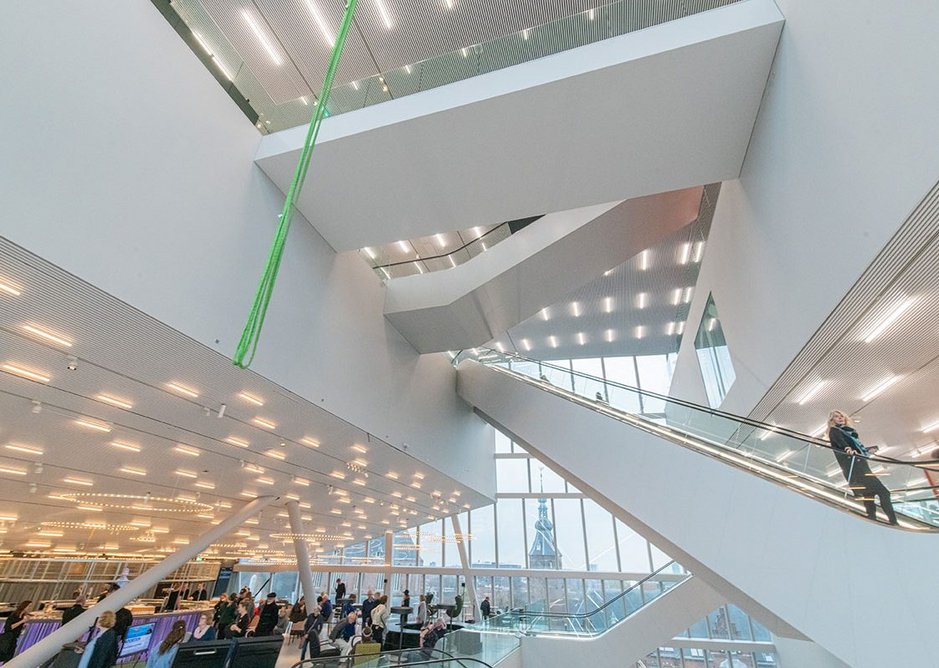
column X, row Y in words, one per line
column 104, row 654
column 267, row 620
column 10, row 636
column 340, row 591
column 71, row 613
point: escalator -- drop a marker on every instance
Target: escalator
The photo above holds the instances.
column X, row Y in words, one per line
column 760, row 513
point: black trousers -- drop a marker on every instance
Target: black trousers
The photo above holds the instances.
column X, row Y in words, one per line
column 866, row 487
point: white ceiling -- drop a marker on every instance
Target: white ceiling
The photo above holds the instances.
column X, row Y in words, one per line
column 128, row 355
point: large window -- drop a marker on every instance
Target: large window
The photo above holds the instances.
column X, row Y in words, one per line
column 717, row 369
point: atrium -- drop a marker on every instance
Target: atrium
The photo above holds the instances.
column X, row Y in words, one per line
column 579, row 332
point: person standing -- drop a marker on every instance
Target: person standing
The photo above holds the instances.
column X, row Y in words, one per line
column 226, row 616
column 852, row 458
column 12, row 630
column 172, row 599
column 77, row 608
column 312, row 628
column 101, row 652
column 202, row 594
column 406, row 599
column 367, row 606
column 340, row 591
column 380, row 614
column 485, row 607
column 267, row 618
column 421, row 609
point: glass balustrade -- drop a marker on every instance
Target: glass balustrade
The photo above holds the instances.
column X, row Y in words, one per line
column 805, row 463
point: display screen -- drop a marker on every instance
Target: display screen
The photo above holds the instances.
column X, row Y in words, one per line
column 138, row 639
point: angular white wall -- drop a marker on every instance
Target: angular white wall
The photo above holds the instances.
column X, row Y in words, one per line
column 126, row 164
column 842, row 150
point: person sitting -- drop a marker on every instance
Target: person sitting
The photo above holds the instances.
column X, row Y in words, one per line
column 283, row 618
column 101, row 652
column 239, row 627
column 367, row 649
column 348, row 605
column 227, row 613
column 312, row 628
column 433, row 633
column 298, row 612
column 342, row 634
column 164, row 655
column 204, row 630
column 326, row 608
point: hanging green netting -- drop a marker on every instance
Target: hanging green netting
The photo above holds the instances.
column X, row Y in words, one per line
column 248, row 344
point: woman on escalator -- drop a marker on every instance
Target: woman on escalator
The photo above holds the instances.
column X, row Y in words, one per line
column 852, row 458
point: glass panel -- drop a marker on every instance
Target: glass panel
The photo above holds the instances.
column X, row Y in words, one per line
column 633, row 550
column 431, row 549
column 483, row 545
column 717, row 369
column 654, row 376
column 544, row 479
column 512, row 475
column 622, row 370
column 511, row 533
column 569, row 529
column 739, row 625
column 539, row 523
column 503, row 444
column 601, row 546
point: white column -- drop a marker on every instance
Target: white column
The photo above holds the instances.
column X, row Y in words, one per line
column 49, row 646
column 464, row 561
column 389, row 555
column 303, row 554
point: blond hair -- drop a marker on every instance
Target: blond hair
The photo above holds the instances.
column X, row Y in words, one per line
column 831, row 418
column 107, row 619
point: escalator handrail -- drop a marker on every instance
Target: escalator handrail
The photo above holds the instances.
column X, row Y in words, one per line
column 618, row 597
column 331, row 660
column 703, row 409
column 350, row 660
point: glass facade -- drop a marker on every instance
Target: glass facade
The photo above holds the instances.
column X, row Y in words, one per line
column 717, row 368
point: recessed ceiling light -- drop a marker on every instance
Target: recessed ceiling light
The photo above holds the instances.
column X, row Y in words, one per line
column 132, row 471
column 931, row 427
column 71, row 480
column 23, row 372
column 581, row 338
column 689, row 291
column 640, row 331
column 10, row 289
column 392, row 475
column 261, row 422
column 368, row 499
column 254, row 468
column 262, row 38
column 888, row 319
column 607, row 304
column 609, row 336
column 545, row 315
column 303, row 482
column 186, row 474
column 27, row 449
column 125, row 446
column 553, row 341
column 182, row 389
column 418, row 475
column 336, row 511
column 114, row 401
column 186, row 450
column 361, row 482
column 204, row 484
column 360, row 448
column 12, row 470
column 240, row 442
column 411, row 499
column 812, row 391
column 416, row 485
column 670, row 328
column 684, row 253
column 88, row 423
column 698, row 252
column 251, row 398
column 276, row 454
column 576, row 310
column 265, row 481
column 880, row 387
column 526, row 345
column 396, row 495
column 338, row 474
column 312, row 442
column 248, row 493
column 324, row 29
column 46, row 335
column 676, row 296
column 644, row 255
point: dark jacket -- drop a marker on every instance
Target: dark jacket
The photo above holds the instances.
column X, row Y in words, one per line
column 855, row 468
column 298, row 612
column 203, row 595
column 340, row 591
column 243, row 622
column 267, row 619
column 71, row 613
column 485, row 608
column 104, row 655
column 343, row 629
column 313, row 625
column 367, row 606
column 208, row 635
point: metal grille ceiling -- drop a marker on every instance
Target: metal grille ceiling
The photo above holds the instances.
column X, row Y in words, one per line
column 130, row 357
column 285, row 44
column 887, row 378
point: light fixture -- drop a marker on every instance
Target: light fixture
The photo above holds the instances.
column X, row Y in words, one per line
column 642, row 300
column 640, row 331
column 581, row 338
column 590, row 14
column 888, row 319
column 392, row 475
column 812, row 391
column 607, row 304
column 403, row 245
column 114, row 401
column 418, row 475
column 71, row 480
column 88, row 423
column 254, row 468
column 27, row 449
column 261, row 422
column 360, row 448
column 276, row 454
column 23, row 372
column 251, row 399
column 681, row 328
column 185, row 473
column 670, row 328
column 265, row 481
column 544, row 314
column 338, row 474
column 328, row 34
column 684, row 254
column 698, row 252
column 131, row 447
column 312, row 442
column 130, row 470
column 204, row 484
column 416, row 485
column 8, row 288
column 303, row 482
column 239, row 442
column 880, row 387
column 575, row 309
column 553, row 341
column 262, row 38
column 526, row 345
column 676, row 297
column 182, row 389
column 930, row 427
column 186, row 450
column 609, row 336
column 47, row 335
column 688, row 293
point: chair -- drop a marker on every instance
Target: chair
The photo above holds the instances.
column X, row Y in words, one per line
column 454, row 610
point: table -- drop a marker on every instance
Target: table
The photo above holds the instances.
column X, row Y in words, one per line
column 404, row 612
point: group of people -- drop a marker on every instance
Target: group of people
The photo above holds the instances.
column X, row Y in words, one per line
column 183, row 592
